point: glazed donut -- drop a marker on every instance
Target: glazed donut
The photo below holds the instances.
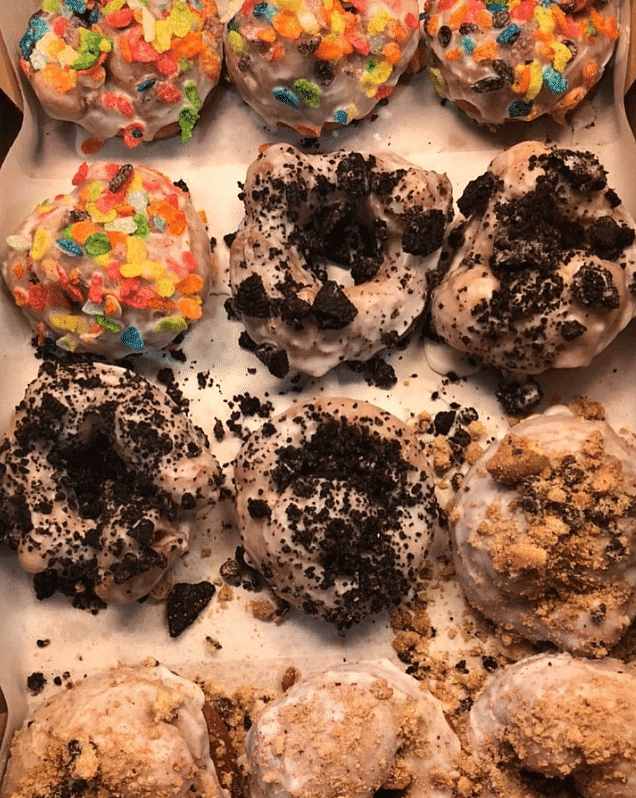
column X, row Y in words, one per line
column 310, row 219
column 137, row 731
column 515, row 61
column 102, row 477
column 316, row 64
column 540, row 273
column 336, row 507
column 120, row 265
column 352, row 730
column 562, row 717
column 141, row 70
column 544, row 532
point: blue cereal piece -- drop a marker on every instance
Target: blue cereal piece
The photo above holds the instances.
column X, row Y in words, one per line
column 286, row 96
column 132, row 338
column 69, row 247
column 554, row 80
column 145, row 85
column 519, row 109
column 509, row 34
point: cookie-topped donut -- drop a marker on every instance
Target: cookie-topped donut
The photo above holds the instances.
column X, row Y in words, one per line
column 136, row 731
column 516, row 60
column 331, row 258
column 308, row 64
column 544, row 532
column 336, row 507
column 562, row 717
column 141, row 70
column 120, row 265
column 102, row 477
column 353, row 730
column 540, row 272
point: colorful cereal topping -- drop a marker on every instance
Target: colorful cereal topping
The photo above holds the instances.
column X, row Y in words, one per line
column 69, row 45
column 543, row 54
column 113, row 257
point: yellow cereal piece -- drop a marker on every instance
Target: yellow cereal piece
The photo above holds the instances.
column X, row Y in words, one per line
column 131, row 269
column 94, row 190
column 135, row 249
column 98, row 215
column 378, row 23
column 164, row 287
column 536, row 81
column 74, row 324
column 163, row 36
column 41, row 242
column 338, row 23
column 114, row 5
column 290, row 5
column 102, row 260
column 545, row 19
column 562, row 55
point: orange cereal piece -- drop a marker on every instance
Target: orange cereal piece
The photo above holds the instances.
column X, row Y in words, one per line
column 485, row 52
column 432, row 26
column 328, row 50
column 190, row 308
column 286, row 24
column 62, row 80
column 392, row 52
column 191, row 284
column 590, row 73
column 82, row 230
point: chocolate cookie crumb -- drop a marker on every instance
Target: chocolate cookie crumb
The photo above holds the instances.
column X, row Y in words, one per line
column 185, row 603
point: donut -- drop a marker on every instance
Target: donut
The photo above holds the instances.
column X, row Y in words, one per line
column 313, row 65
column 515, row 61
column 336, row 507
column 140, row 70
column 544, row 532
column 136, row 731
column 539, row 273
column 352, row 730
column 102, row 478
column 330, row 259
column 559, row 716
column 120, row 265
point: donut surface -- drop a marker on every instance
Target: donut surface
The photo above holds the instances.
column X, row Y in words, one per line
column 139, row 70
column 515, row 61
column 102, row 479
column 352, row 730
column 330, row 260
column 540, row 273
column 137, row 731
column 562, row 717
column 120, row 265
column 308, row 64
column 544, row 532
column 336, row 507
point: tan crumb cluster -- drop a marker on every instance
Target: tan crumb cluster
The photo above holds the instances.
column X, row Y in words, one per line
column 573, row 505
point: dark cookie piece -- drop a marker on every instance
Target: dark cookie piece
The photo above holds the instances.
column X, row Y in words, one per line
column 185, row 604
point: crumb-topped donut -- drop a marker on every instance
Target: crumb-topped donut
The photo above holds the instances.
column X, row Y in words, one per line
column 336, row 507
column 561, row 717
column 308, row 64
column 330, row 260
column 120, row 265
column 352, row 730
column 540, row 273
column 138, row 69
column 136, row 731
column 516, row 60
column 102, row 478
column 544, row 532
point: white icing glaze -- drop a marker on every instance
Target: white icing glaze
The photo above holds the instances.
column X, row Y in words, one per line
column 121, row 543
column 142, row 284
column 530, row 59
column 350, row 731
column 504, row 577
column 365, row 488
column 268, row 245
column 161, row 61
column 136, row 732
column 292, row 78
column 522, row 322
column 560, row 716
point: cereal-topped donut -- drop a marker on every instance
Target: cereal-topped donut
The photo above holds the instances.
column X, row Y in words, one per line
column 102, row 479
column 141, row 70
column 316, row 64
column 119, row 265
column 560, row 716
column 336, row 507
column 540, row 272
column 353, row 730
column 330, row 261
column 515, row 61
column 544, row 532
column 135, row 731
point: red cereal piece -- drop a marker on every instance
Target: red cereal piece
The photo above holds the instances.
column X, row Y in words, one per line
column 80, row 175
